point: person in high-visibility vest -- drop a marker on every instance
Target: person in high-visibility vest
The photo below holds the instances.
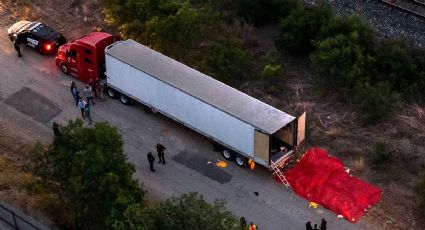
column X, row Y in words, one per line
column 252, row 226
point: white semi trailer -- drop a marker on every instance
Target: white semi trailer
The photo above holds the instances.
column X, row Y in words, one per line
column 245, row 127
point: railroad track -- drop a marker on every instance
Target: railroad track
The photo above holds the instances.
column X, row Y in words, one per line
column 415, row 7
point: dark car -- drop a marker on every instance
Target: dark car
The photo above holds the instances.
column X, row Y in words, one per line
column 36, row 35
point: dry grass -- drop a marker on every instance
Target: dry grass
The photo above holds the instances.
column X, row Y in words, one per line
column 357, row 165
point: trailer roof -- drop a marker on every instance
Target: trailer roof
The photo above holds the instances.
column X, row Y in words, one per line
column 259, row 114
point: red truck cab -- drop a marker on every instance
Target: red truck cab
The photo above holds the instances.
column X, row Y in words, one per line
column 84, row 58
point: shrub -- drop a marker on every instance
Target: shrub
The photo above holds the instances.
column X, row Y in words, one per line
column 377, row 102
column 260, row 12
column 225, row 59
column 298, row 31
column 179, row 35
column 340, row 61
column 190, row 211
column 382, row 155
column 347, row 25
column 421, row 188
column 273, row 73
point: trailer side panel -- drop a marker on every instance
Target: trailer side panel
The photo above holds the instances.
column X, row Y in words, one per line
column 181, row 106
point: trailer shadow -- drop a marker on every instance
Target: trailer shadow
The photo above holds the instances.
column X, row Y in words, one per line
column 199, row 164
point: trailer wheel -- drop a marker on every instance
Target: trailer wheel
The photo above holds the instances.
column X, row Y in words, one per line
column 241, row 161
column 64, row 69
column 228, row 154
column 111, row 93
column 126, row 100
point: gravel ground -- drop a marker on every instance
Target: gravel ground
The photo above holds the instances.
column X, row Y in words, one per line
column 389, row 22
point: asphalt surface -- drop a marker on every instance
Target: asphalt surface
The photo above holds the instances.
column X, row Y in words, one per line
column 34, row 93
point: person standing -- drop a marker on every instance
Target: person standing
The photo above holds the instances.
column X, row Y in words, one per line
column 315, row 227
column 308, row 226
column 76, row 94
column 151, row 160
column 99, row 90
column 87, row 113
column 323, row 225
column 88, row 94
column 252, row 226
column 93, row 87
column 160, row 149
column 17, row 46
column 55, row 128
column 243, row 223
column 73, row 85
column 82, row 106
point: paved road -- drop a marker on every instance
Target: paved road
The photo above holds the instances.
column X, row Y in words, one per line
column 33, row 94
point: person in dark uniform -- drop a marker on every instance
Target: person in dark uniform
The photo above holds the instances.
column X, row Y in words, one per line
column 151, row 159
column 160, row 149
column 243, row 223
column 308, row 226
column 55, row 128
column 315, row 227
column 323, row 225
column 17, row 46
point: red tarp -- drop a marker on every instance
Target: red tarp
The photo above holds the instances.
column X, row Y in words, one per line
column 322, row 179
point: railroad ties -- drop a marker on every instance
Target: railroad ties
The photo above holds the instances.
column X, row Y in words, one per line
column 415, row 7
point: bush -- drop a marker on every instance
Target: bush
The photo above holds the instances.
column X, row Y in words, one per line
column 298, row 31
column 395, row 64
column 190, row 211
column 348, row 25
column 179, row 35
column 273, row 72
column 421, row 188
column 340, row 61
column 260, row 12
column 382, row 155
column 226, row 59
column 377, row 102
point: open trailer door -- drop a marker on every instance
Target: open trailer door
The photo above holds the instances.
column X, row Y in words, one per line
column 300, row 135
column 261, row 148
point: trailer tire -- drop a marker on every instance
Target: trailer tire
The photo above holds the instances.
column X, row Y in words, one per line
column 111, row 93
column 241, row 161
column 64, row 69
column 228, row 154
column 126, row 100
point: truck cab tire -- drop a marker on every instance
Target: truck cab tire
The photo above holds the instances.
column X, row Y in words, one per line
column 64, row 69
column 111, row 93
column 228, row 154
column 126, row 100
column 241, row 161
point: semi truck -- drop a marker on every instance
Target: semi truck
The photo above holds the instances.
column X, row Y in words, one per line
column 243, row 126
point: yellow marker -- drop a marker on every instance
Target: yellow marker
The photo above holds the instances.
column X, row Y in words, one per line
column 221, row 164
column 313, row 204
column 251, row 164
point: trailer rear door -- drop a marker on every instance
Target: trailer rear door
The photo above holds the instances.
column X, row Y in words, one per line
column 261, row 148
column 301, row 128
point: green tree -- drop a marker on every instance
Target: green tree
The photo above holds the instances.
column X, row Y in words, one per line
column 190, row 211
column 298, row 31
column 94, row 179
